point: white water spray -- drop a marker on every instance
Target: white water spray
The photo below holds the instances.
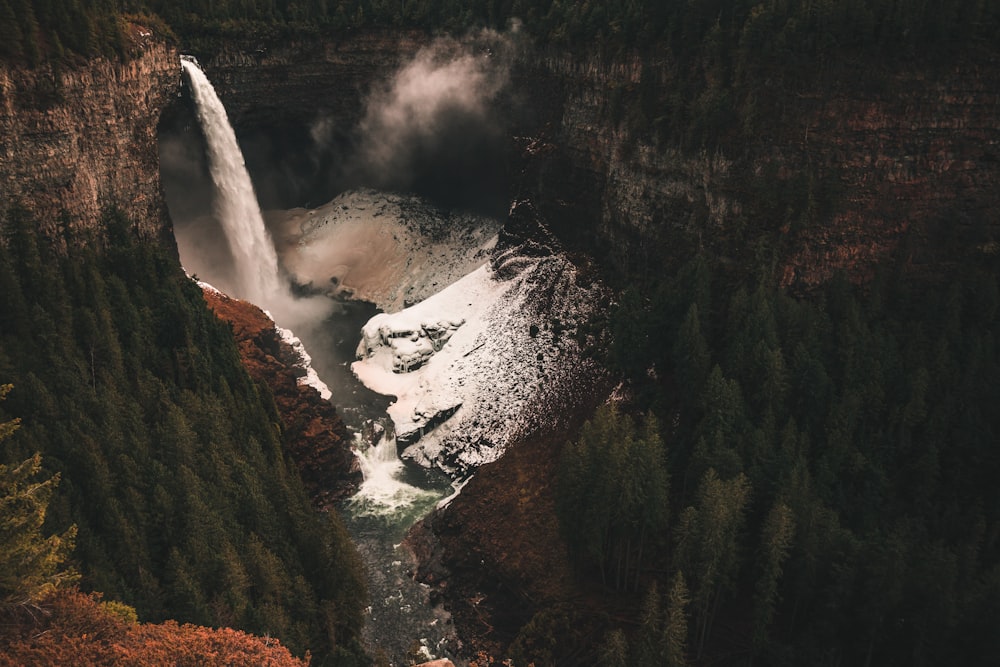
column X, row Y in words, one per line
column 383, row 492
column 236, row 208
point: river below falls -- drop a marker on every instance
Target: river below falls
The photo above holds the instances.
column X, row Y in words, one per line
column 401, row 623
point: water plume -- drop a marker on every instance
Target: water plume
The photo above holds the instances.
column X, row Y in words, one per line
column 433, row 128
column 255, row 263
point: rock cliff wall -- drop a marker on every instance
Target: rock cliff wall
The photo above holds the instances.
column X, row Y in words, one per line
column 307, row 81
column 839, row 175
column 314, row 434
column 77, row 141
column 841, row 178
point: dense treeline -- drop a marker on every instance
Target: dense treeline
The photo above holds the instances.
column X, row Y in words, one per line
column 36, row 31
column 32, row 563
column 832, row 470
column 169, row 455
column 45, row 621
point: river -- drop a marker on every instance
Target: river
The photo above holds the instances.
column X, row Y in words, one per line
column 401, row 623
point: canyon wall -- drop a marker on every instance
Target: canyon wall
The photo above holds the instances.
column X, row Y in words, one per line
column 76, row 141
column 841, row 175
column 304, row 82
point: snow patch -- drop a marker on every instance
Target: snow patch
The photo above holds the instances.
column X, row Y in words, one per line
column 495, row 376
column 303, row 362
column 392, row 250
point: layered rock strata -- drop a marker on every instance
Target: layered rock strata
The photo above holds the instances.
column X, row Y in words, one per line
column 841, row 178
column 77, row 141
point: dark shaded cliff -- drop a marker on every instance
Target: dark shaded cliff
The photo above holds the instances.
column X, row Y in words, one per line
column 78, row 141
column 296, row 106
column 837, row 174
column 862, row 165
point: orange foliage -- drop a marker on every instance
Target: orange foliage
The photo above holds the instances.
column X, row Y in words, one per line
column 70, row 628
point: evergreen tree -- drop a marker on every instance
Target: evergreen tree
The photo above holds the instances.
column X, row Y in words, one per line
column 675, row 624
column 31, row 564
column 708, row 541
column 614, row 650
column 613, row 495
column 776, row 541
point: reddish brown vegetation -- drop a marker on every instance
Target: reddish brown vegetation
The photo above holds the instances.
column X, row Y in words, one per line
column 495, row 554
column 314, row 434
column 72, row 628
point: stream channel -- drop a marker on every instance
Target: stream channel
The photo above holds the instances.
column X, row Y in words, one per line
column 401, row 624
column 221, row 237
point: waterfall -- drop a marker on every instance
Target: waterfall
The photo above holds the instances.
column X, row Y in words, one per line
column 384, row 492
column 235, row 206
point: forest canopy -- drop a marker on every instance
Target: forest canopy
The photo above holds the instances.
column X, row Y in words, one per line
column 826, row 490
column 171, row 467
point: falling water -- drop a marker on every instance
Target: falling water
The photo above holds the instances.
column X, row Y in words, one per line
column 385, row 491
column 235, row 206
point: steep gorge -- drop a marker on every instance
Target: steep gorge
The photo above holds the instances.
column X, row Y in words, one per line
column 837, row 174
column 906, row 170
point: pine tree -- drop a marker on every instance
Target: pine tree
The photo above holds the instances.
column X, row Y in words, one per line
column 31, row 564
column 776, row 541
column 646, row 648
column 691, row 356
column 708, row 540
column 614, row 650
column 675, row 624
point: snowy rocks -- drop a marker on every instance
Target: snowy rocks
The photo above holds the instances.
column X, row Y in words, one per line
column 490, row 357
column 410, row 343
column 392, row 250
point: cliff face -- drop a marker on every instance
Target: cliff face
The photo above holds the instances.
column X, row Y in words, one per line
column 305, row 81
column 79, row 140
column 835, row 179
column 839, row 175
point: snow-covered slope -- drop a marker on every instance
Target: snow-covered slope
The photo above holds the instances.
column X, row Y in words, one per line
column 392, row 250
column 494, row 354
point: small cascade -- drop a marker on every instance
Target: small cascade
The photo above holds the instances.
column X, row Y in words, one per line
column 384, row 491
column 235, row 206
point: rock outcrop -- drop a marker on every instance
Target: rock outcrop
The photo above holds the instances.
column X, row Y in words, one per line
column 314, row 435
column 492, row 356
column 79, row 140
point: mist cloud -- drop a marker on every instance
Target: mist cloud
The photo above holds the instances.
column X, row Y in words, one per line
column 434, row 128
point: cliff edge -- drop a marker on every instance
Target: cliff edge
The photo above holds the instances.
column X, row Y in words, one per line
column 78, row 141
